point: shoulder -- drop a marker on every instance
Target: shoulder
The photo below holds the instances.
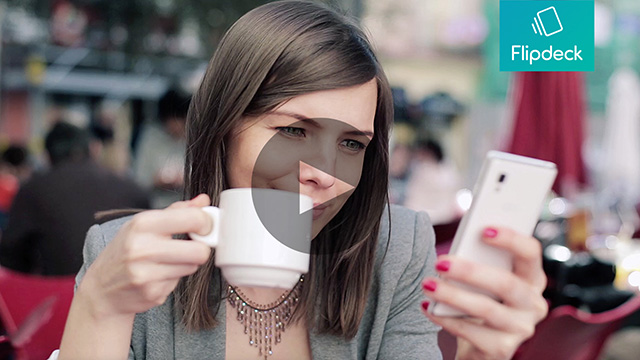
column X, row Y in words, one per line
column 37, row 182
column 404, row 257
column 402, row 232
column 402, row 217
column 97, row 238
column 110, row 228
column 100, row 235
column 406, row 246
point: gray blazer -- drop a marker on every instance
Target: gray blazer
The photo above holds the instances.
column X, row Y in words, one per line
column 393, row 326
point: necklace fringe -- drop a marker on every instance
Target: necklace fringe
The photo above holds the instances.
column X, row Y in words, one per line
column 265, row 323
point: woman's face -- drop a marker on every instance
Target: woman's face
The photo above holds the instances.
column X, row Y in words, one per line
column 313, row 144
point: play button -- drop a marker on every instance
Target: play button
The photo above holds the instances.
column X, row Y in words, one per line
column 308, row 155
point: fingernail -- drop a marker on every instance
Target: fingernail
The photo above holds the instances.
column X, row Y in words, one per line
column 490, row 232
column 430, row 285
column 425, row 305
column 443, row 265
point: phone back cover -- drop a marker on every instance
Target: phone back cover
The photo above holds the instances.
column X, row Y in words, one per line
column 515, row 202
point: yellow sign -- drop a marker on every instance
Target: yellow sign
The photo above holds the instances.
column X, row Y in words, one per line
column 35, row 69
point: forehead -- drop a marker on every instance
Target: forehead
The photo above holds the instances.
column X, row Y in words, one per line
column 355, row 106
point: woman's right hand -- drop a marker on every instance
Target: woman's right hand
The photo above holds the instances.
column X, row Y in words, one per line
column 142, row 265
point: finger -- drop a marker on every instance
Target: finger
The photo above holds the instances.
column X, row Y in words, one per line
column 201, row 200
column 474, row 304
column 155, row 293
column 492, row 343
column 526, row 251
column 168, row 251
column 171, row 221
column 153, row 272
column 179, row 205
column 505, row 285
column 177, row 251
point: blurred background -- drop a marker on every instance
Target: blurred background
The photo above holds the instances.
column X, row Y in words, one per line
column 106, row 64
column 121, row 72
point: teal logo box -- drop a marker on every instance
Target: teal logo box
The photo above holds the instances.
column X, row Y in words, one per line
column 547, row 35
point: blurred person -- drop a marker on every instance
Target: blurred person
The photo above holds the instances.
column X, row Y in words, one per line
column 16, row 160
column 399, row 161
column 14, row 169
column 52, row 212
column 160, row 156
column 114, row 132
column 100, row 136
column 282, row 67
column 433, row 183
column 104, row 150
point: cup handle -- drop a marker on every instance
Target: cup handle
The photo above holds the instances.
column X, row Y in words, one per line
column 211, row 238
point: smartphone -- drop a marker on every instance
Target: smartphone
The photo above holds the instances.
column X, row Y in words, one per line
column 510, row 192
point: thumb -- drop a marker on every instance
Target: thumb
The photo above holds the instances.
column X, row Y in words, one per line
column 200, row 201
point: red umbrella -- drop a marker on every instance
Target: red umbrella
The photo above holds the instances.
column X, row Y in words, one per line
column 549, row 123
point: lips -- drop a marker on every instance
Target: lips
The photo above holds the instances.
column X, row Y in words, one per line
column 319, row 206
column 318, row 210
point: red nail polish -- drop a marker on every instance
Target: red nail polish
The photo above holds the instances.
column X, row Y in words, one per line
column 425, row 305
column 490, row 232
column 429, row 285
column 443, row 265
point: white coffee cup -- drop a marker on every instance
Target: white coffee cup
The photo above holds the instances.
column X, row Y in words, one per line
column 247, row 252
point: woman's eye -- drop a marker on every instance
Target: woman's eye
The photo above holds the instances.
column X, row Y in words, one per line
column 291, row 131
column 353, row 145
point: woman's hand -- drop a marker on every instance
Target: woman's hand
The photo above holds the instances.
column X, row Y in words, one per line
column 136, row 271
column 495, row 329
column 142, row 265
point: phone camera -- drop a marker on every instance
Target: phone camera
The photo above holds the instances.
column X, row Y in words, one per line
column 502, row 178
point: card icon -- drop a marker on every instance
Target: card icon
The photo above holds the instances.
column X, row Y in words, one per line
column 547, row 22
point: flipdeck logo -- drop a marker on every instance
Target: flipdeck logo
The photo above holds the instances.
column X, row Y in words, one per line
column 547, row 35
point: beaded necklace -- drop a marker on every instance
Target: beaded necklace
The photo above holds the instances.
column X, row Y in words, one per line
column 264, row 323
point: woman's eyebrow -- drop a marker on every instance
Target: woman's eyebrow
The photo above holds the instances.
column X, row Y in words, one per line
column 313, row 122
column 292, row 115
column 368, row 134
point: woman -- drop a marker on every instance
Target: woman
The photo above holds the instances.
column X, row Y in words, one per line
column 280, row 71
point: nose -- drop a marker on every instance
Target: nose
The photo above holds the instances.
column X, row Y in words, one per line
column 320, row 169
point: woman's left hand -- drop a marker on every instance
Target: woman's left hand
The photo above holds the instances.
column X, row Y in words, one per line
column 494, row 329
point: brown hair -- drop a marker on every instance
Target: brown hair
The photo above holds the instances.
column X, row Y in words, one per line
column 272, row 54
